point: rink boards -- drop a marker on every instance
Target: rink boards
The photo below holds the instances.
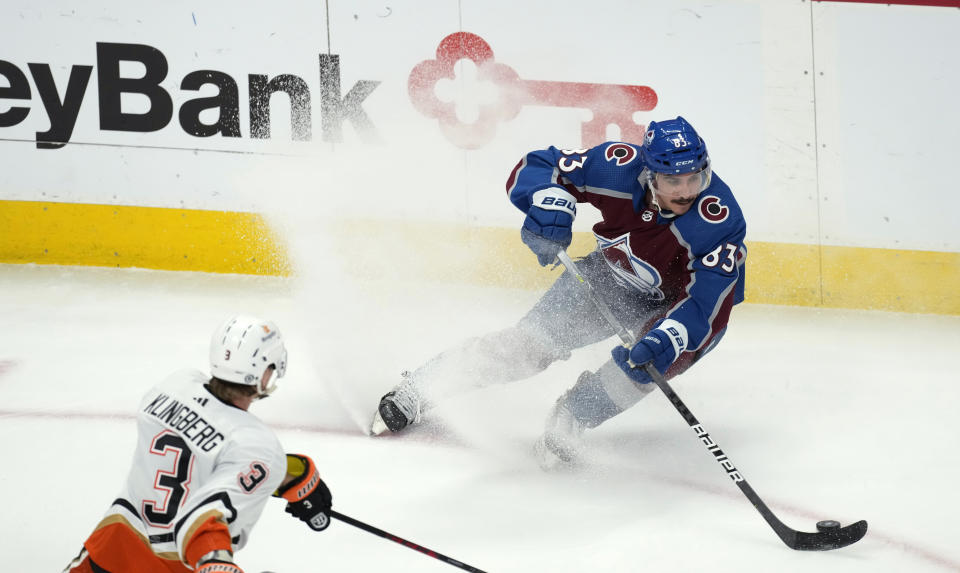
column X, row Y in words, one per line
column 151, row 137
column 225, row 242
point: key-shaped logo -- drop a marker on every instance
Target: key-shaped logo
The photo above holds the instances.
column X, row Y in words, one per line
column 610, row 103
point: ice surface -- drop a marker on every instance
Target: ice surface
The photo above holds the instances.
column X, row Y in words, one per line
column 829, row 414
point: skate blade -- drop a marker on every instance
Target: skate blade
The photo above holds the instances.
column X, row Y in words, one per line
column 550, row 461
column 378, row 426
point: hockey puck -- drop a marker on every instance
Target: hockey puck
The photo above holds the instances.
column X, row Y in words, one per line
column 828, row 525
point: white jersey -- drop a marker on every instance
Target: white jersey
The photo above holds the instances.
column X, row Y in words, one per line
column 196, row 457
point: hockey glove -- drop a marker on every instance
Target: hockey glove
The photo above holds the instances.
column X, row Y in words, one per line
column 661, row 346
column 548, row 227
column 309, row 499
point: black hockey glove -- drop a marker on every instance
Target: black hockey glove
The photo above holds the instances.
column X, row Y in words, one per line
column 309, row 499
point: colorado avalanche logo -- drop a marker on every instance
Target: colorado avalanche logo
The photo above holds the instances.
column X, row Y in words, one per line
column 712, row 211
column 621, row 153
column 630, row 270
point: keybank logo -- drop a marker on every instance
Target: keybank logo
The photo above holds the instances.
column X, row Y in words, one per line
column 62, row 103
column 609, row 104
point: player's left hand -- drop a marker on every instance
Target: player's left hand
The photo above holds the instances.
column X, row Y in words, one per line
column 309, row 498
column 661, row 346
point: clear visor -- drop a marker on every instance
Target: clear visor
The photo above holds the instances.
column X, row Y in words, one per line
column 280, row 361
column 680, row 185
column 277, row 357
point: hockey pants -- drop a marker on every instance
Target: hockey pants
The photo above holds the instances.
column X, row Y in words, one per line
column 564, row 319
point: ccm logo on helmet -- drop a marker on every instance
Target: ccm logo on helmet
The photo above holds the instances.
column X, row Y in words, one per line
column 620, row 153
column 712, row 211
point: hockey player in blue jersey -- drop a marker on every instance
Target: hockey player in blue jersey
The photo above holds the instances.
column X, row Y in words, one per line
column 669, row 263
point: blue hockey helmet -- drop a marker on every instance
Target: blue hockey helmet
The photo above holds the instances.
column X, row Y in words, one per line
column 671, row 150
column 674, row 147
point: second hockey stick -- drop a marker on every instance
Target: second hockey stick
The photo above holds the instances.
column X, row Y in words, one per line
column 404, row 542
column 829, row 534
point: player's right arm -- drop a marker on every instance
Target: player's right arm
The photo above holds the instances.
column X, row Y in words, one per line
column 543, row 185
column 546, row 169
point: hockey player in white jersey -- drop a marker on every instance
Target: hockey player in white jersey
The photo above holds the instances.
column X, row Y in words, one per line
column 204, row 466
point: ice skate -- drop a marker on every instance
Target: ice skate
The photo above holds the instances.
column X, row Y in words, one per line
column 398, row 408
column 559, row 446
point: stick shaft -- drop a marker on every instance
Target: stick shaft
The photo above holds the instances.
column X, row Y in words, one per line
column 622, row 332
column 406, row 543
column 781, row 530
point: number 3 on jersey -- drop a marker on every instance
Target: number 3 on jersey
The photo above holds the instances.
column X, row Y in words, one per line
column 568, row 164
column 171, row 479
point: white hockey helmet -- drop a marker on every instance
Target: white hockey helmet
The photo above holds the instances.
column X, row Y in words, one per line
column 242, row 349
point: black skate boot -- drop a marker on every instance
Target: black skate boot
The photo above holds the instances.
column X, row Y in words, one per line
column 397, row 409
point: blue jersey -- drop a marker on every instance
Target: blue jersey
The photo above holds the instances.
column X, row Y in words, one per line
column 693, row 263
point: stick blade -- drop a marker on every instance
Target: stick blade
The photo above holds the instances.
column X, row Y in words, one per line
column 829, row 539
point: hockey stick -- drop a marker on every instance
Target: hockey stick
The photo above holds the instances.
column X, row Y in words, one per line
column 404, row 542
column 829, row 533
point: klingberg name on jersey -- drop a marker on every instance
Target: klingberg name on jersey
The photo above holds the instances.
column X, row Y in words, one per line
column 186, row 421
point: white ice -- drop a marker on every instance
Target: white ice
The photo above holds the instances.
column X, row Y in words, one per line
column 829, row 414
